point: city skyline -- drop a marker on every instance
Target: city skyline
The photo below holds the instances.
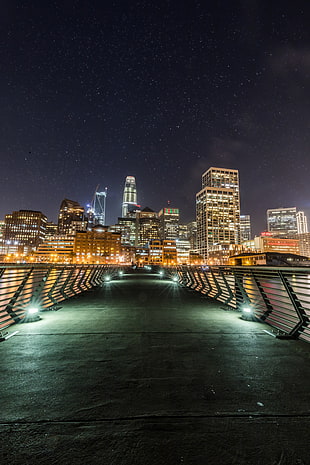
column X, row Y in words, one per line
column 93, row 93
column 54, row 218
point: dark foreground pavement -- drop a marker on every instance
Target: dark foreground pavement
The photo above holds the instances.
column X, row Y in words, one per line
column 143, row 372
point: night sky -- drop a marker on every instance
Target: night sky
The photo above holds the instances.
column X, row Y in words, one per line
column 93, row 91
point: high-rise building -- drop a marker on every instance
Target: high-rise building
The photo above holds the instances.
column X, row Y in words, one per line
column 245, row 228
column 282, row 221
column 218, row 209
column 96, row 211
column 71, row 217
column 51, row 228
column 183, row 231
column 129, row 195
column 147, row 227
column 169, row 223
column 183, row 250
column 192, row 235
column 127, row 227
column 24, row 230
column 302, row 224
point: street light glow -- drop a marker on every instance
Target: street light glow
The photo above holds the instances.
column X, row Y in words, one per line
column 32, row 310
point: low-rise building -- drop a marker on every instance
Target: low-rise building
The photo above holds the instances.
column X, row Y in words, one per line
column 276, row 244
column 98, row 246
column 54, row 249
column 269, row 259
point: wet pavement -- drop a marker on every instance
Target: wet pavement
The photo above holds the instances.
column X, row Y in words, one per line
column 145, row 372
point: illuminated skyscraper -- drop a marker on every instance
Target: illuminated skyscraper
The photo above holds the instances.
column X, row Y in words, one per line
column 245, row 228
column 169, row 223
column 71, row 217
column 282, row 221
column 25, row 229
column 218, row 209
column 129, row 195
column 96, row 211
column 147, row 228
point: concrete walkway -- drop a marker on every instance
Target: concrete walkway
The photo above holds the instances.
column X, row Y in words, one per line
column 144, row 372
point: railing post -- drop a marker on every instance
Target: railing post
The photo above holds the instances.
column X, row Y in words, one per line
column 9, row 308
column 240, row 291
column 50, row 292
column 65, row 284
column 303, row 318
column 264, row 297
column 39, row 289
column 218, row 287
column 80, row 281
column 231, row 295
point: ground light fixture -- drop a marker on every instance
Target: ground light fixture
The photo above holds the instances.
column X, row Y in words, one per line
column 32, row 314
column 120, row 273
column 247, row 313
column 161, row 273
column 175, row 279
column 107, row 279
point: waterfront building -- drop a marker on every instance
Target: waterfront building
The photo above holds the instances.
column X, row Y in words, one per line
column 183, row 247
column 55, row 249
column 162, row 252
column 169, row 253
column 269, row 259
column 218, row 209
column 24, row 230
column 282, row 221
column 97, row 246
column 169, row 223
column 265, row 243
column 71, row 217
column 304, row 244
column 129, row 196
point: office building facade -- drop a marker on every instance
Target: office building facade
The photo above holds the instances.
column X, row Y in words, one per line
column 71, row 217
column 147, row 227
column 97, row 246
column 282, row 221
column 218, row 209
column 169, row 223
column 24, row 230
column 302, row 223
column 245, row 228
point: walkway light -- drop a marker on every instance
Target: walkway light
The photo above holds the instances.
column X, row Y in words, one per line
column 107, row 279
column 247, row 313
column 32, row 310
column 174, row 279
column 32, row 314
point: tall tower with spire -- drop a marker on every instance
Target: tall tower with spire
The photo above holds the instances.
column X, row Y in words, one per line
column 129, row 195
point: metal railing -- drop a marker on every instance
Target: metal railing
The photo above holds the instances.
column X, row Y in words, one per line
column 280, row 296
column 44, row 285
